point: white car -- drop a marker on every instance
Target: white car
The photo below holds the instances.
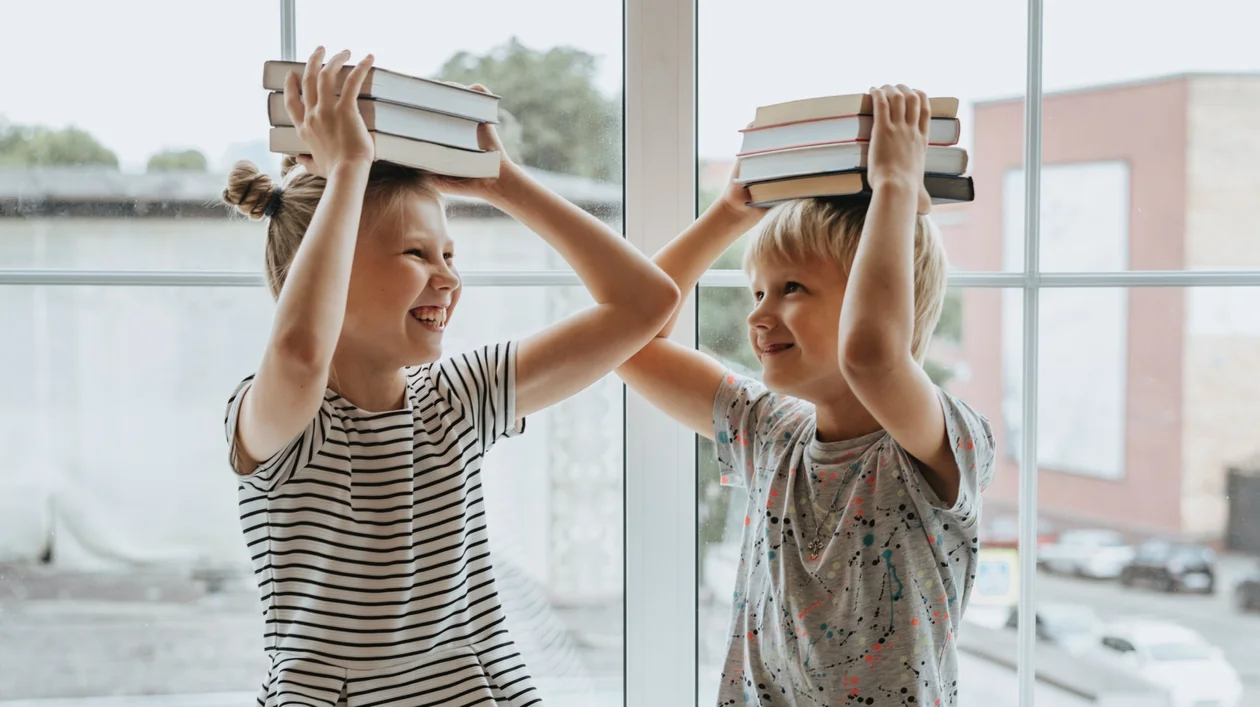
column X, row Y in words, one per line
column 1193, row 671
column 1101, row 554
column 1072, row 627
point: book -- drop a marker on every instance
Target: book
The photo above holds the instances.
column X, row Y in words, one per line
column 849, row 128
column 836, row 157
column 943, row 188
column 418, row 154
column 397, row 119
column 395, row 87
column 837, row 106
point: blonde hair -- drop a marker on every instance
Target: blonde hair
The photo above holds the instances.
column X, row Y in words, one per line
column 289, row 205
column 821, row 229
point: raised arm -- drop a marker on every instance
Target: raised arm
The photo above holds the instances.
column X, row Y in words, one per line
column 677, row 379
column 633, row 298
column 287, row 390
column 877, row 319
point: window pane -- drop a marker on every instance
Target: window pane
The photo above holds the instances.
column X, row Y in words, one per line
column 58, row 158
column 974, row 52
column 560, row 82
column 964, row 362
column 104, row 127
column 122, row 567
column 1146, row 403
column 1150, row 152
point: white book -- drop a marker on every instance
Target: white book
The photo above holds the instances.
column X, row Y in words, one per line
column 840, row 157
column 396, row 119
column 849, row 128
column 428, row 156
column 401, row 88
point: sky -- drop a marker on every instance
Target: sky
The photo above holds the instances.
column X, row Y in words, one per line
column 146, row 75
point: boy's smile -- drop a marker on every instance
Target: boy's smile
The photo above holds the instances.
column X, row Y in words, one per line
column 794, row 326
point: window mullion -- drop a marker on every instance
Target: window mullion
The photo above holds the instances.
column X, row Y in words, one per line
column 288, row 30
column 660, row 455
column 1027, row 644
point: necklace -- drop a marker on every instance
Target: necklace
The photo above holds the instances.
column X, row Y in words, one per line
column 817, row 545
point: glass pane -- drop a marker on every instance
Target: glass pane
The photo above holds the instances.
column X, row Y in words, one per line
column 122, row 567
column 95, row 172
column 560, row 82
column 965, row 362
column 985, row 60
column 1150, row 152
column 124, row 169
column 1146, row 455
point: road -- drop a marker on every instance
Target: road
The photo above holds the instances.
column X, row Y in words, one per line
column 1237, row 635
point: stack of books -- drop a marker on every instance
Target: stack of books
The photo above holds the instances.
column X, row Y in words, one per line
column 817, row 147
column 415, row 122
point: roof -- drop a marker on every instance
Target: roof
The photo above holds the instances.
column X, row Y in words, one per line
column 106, row 186
column 1120, row 85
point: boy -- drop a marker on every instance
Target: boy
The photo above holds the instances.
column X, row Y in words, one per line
column 863, row 477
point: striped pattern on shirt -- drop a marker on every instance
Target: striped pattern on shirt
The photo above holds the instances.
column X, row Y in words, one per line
column 368, row 539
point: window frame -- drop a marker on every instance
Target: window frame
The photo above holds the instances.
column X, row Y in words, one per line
column 660, row 485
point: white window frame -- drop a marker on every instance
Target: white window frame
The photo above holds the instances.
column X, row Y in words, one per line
column 660, row 457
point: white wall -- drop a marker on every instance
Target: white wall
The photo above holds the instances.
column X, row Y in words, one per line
column 1084, row 332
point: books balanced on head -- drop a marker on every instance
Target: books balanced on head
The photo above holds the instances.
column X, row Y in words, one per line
column 415, row 122
column 817, row 147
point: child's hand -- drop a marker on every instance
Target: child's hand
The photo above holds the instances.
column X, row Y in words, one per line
column 734, row 200
column 329, row 124
column 899, row 140
column 487, row 139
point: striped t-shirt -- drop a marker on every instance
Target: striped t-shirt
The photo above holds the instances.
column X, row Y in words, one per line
column 368, row 540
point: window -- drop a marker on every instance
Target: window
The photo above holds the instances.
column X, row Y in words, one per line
column 132, row 305
column 1101, row 313
column 1129, row 319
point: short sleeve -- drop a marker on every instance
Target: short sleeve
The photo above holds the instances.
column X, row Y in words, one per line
column 745, row 415
column 296, row 455
column 971, row 437
column 483, row 382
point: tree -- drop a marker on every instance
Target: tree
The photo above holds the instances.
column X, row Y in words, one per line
column 40, row 146
column 554, row 116
column 178, row 161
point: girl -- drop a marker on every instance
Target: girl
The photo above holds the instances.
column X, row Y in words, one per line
column 358, row 451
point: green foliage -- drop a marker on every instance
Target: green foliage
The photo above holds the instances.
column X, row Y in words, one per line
column 39, row 146
column 178, row 161
column 555, row 117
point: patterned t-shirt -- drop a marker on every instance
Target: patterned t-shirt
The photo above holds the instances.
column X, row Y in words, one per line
column 853, row 575
column 368, row 538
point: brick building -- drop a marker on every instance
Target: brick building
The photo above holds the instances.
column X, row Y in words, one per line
column 1146, row 395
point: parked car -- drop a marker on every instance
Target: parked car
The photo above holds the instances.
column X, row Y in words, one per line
column 1101, row 554
column 1193, row 671
column 1247, row 591
column 1003, row 532
column 1075, row 628
column 1171, row 566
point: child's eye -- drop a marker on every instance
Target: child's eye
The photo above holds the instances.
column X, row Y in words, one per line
column 416, row 252
column 758, row 295
column 793, row 287
column 448, row 256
